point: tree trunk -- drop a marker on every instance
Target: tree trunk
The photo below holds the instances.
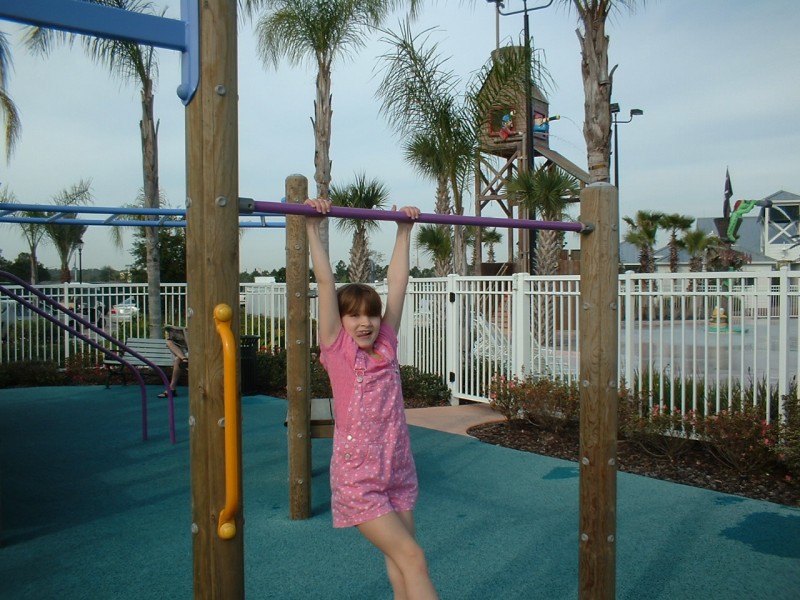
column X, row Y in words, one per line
column 459, row 245
column 65, row 275
column 597, row 83
column 359, row 257
column 34, row 266
column 440, row 265
column 323, row 114
column 152, row 199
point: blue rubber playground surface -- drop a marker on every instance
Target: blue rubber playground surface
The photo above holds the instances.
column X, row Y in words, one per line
column 90, row 511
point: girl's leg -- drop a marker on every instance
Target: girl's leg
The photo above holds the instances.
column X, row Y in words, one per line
column 395, row 575
column 393, row 535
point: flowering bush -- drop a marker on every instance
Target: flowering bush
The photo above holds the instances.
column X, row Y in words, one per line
column 503, row 397
column 83, row 369
column 660, row 430
column 788, row 448
column 550, row 404
column 741, row 439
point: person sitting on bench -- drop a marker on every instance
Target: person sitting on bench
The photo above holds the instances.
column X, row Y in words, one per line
column 179, row 346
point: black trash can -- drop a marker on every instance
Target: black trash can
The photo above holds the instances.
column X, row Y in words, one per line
column 247, row 351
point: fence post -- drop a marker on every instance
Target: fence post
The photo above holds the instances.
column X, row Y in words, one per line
column 452, row 335
column 783, row 339
column 630, row 316
column 521, row 326
column 407, row 329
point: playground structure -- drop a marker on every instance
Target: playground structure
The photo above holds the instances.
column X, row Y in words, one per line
column 207, row 39
column 508, row 145
column 97, row 331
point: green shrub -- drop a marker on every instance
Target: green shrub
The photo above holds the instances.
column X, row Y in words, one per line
column 271, row 372
column 31, row 374
column 424, row 387
column 320, row 383
column 788, row 448
column 271, row 379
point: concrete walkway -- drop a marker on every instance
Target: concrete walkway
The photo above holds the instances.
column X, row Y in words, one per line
column 452, row 419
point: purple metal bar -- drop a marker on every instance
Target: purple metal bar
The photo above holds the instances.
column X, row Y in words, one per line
column 388, row 215
column 73, row 315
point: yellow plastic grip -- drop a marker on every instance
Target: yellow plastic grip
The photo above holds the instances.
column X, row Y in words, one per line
column 226, row 529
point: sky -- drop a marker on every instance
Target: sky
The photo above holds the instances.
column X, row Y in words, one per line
column 718, row 81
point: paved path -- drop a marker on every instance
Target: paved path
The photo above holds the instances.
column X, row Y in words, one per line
column 452, row 419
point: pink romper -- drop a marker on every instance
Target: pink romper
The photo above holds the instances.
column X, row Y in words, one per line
column 372, row 469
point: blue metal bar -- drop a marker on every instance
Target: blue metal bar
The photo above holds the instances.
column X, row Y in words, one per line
column 10, row 213
column 85, row 18
column 190, row 58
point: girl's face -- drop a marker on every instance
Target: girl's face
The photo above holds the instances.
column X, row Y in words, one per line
column 362, row 328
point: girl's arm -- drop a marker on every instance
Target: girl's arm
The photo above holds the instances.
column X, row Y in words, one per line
column 329, row 321
column 397, row 273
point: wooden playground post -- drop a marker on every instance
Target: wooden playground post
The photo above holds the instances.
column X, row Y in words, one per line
column 298, row 354
column 599, row 393
column 212, row 250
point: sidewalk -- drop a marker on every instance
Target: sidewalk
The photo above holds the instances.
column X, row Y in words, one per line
column 452, row 419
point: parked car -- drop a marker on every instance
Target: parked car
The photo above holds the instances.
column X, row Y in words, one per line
column 124, row 312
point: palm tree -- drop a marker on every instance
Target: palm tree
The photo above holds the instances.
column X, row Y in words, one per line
column 32, row 232
column 436, row 243
column 66, row 237
column 322, row 32
column 136, row 63
column 675, row 223
column 7, row 106
column 696, row 242
column 721, row 256
column 419, row 96
column 490, row 238
column 545, row 191
column 642, row 232
column 360, row 194
column 597, row 79
column 423, row 154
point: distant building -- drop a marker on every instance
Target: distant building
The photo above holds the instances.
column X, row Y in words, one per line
column 771, row 238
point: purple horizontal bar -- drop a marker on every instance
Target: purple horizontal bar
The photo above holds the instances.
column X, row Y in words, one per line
column 388, row 215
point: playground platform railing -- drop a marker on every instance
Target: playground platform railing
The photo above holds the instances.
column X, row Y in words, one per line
column 685, row 339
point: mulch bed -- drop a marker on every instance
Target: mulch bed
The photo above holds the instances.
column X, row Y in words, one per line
column 696, row 467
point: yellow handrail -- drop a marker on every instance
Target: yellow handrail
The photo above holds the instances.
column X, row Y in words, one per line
column 226, row 529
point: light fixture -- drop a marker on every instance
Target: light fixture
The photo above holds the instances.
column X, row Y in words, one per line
column 614, row 108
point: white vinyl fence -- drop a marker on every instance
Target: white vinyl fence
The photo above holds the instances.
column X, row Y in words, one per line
column 683, row 338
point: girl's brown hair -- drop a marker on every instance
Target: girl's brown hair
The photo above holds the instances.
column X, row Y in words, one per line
column 358, row 298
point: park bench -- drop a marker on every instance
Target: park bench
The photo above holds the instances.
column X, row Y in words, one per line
column 154, row 350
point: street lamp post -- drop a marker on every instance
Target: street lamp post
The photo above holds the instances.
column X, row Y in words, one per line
column 80, row 261
column 614, row 112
